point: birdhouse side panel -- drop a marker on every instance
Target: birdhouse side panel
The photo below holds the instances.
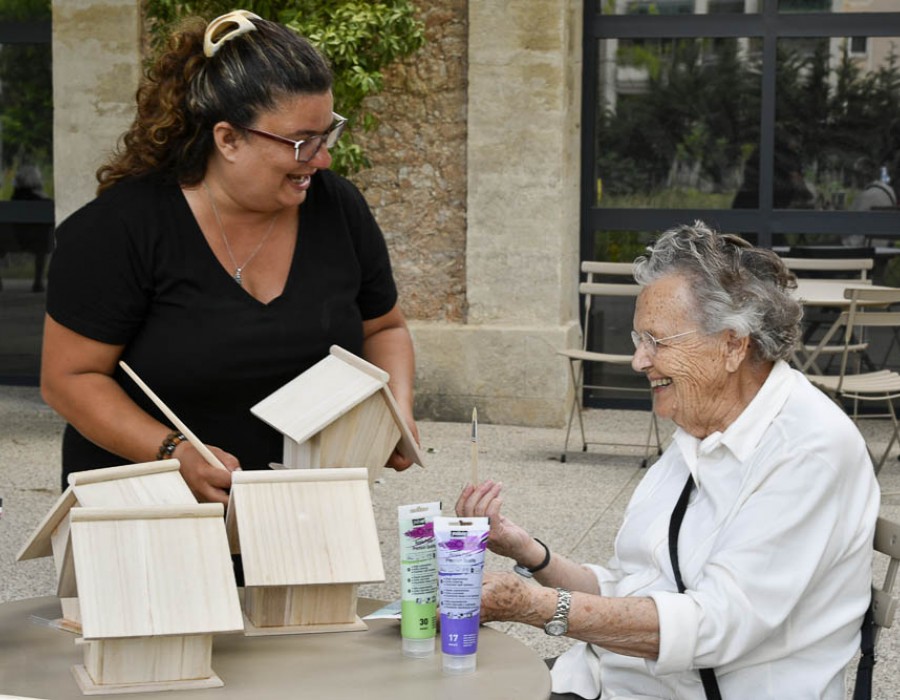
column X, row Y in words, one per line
column 308, row 533
column 154, row 577
column 363, row 437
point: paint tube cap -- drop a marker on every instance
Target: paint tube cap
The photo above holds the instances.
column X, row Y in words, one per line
column 459, row 665
column 418, row 648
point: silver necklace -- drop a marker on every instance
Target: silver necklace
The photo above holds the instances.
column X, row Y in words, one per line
column 238, row 269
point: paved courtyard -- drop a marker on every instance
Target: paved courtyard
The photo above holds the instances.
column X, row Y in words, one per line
column 575, row 507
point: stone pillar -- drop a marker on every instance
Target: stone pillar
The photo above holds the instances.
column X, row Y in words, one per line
column 522, row 238
column 96, row 68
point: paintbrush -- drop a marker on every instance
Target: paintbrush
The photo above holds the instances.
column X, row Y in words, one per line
column 474, row 459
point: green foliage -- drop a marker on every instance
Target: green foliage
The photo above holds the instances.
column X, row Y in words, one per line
column 693, row 121
column 26, row 98
column 359, row 38
column 24, row 10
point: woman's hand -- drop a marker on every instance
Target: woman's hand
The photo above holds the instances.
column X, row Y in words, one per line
column 506, row 538
column 397, row 461
column 209, row 484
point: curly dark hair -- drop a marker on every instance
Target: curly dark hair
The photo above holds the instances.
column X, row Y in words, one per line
column 184, row 94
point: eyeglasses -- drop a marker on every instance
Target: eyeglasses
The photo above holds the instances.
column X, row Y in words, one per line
column 652, row 344
column 306, row 149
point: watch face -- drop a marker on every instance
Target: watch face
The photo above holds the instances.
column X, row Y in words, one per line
column 556, row 628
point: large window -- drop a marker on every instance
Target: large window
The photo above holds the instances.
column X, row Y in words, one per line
column 26, row 183
column 775, row 119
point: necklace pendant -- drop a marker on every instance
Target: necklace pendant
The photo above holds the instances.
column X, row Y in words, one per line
column 237, row 277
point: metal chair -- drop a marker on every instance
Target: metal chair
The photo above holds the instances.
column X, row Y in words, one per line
column 884, row 604
column 850, row 383
column 578, row 358
column 847, row 268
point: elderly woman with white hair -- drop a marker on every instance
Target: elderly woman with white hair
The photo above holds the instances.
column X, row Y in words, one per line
column 746, row 549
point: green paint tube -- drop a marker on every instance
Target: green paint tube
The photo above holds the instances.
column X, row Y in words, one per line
column 418, row 578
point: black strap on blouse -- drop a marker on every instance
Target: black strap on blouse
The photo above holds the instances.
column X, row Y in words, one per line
column 863, row 688
column 707, row 675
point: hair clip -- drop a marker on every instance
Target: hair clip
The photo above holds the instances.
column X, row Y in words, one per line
column 242, row 24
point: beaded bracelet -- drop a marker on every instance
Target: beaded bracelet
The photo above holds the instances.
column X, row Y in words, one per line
column 173, row 440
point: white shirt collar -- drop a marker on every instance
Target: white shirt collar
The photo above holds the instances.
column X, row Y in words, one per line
column 744, row 434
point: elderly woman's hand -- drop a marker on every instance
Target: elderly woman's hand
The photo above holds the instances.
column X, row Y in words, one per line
column 508, row 597
column 506, row 538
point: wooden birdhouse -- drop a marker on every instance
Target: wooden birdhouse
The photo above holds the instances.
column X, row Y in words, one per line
column 148, row 483
column 155, row 583
column 307, row 539
column 339, row 413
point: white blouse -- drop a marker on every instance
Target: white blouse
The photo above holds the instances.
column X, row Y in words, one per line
column 775, row 552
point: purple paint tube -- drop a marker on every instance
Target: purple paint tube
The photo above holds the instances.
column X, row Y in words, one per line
column 461, row 543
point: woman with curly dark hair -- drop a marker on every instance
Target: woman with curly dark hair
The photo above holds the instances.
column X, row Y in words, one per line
column 220, row 259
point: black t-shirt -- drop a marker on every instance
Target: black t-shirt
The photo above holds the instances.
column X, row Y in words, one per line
column 132, row 268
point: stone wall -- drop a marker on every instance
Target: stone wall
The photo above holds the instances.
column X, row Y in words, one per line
column 475, row 183
column 417, row 185
column 96, row 68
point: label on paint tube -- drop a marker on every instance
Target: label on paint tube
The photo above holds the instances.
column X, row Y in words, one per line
column 461, row 545
column 418, row 570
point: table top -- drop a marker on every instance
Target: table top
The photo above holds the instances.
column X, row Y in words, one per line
column 36, row 661
column 825, row 292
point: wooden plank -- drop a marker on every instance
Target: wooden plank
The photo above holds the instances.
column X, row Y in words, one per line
column 125, row 471
column 316, row 398
column 408, row 446
column 330, row 605
column 303, row 532
column 40, row 542
column 149, row 489
column 360, row 364
column 301, row 475
column 149, row 660
column 131, row 566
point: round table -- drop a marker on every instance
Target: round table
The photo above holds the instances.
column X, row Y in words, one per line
column 36, row 661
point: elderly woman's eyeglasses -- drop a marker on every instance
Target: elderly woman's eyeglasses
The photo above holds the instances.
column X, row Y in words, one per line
column 306, row 149
column 652, row 344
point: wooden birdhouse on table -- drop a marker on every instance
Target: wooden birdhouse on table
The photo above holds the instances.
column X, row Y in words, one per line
column 148, row 483
column 339, row 413
column 155, row 583
column 307, row 538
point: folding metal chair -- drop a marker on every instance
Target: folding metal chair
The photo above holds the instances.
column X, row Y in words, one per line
column 578, row 358
column 880, row 385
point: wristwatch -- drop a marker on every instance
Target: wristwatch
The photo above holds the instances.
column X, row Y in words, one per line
column 558, row 625
column 528, row 572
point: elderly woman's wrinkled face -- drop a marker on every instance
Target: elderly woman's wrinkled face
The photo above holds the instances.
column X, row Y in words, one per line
column 689, row 375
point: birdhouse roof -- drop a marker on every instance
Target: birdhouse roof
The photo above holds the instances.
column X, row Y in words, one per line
column 305, row 526
column 154, row 570
column 146, row 483
column 327, row 391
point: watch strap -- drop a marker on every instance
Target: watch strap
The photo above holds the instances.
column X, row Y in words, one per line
column 528, row 572
column 559, row 624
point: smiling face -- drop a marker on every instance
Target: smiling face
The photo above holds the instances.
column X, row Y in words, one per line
column 696, row 379
column 266, row 175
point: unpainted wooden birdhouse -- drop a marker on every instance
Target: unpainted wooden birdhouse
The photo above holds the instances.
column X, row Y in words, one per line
column 339, row 413
column 155, row 584
column 147, row 483
column 307, row 538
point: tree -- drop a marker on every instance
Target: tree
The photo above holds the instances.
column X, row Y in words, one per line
column 26, row 89
column 359, row 38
